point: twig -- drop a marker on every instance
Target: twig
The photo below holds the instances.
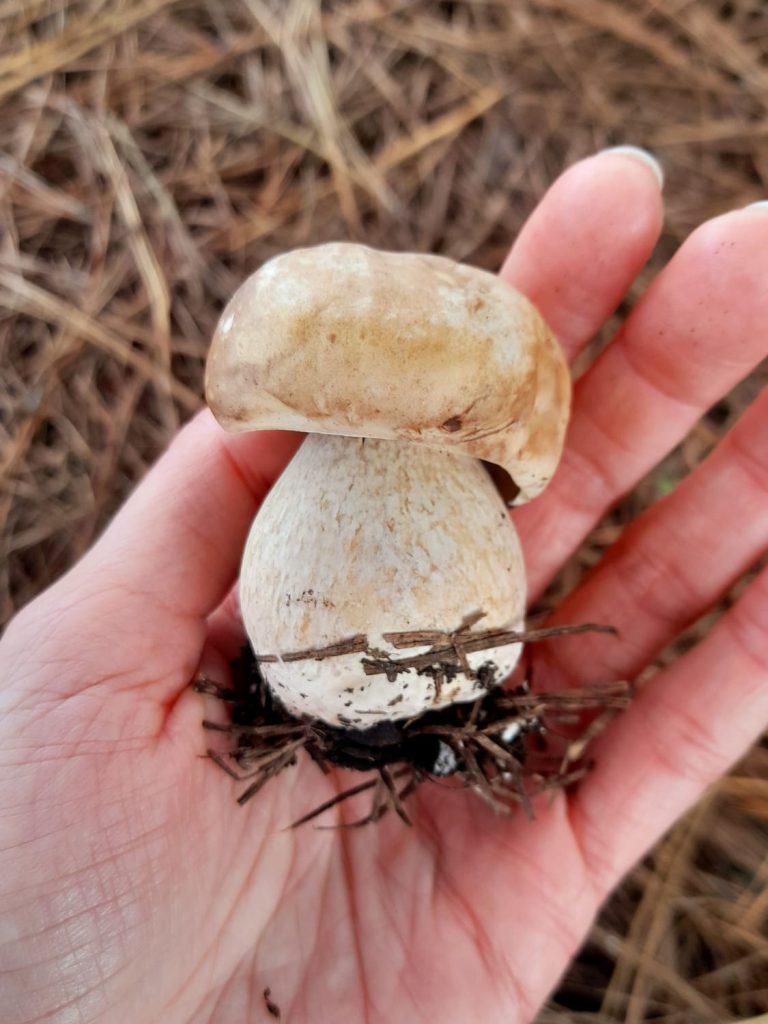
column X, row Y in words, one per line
column 481, row 641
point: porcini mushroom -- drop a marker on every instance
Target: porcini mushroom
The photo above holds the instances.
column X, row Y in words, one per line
column 406, row 371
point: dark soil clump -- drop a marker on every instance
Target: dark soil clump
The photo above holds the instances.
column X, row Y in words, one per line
column 507, row 745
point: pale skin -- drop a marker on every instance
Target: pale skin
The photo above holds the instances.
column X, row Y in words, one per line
column 134, row 888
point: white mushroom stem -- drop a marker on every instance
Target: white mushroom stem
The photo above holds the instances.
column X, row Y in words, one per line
column 365, row 536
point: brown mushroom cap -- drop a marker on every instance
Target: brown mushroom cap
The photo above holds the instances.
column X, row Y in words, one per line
column 344, row 339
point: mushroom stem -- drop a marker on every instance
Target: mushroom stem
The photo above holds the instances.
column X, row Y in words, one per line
column 366, row 537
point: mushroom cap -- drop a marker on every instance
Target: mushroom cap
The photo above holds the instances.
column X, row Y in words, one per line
column 344, row 339
column 367, row 537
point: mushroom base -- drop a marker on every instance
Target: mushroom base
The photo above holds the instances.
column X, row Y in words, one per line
column 501, row 745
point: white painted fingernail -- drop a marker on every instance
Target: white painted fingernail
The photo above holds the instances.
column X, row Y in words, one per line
column 761, row 204
column 636, row 153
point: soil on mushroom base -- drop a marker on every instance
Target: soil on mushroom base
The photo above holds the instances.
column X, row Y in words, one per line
column 506, row 746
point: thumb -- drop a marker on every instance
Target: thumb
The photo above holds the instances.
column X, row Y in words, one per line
column 133, row 609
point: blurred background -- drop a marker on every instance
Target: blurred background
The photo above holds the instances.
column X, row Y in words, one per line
column 155, row 152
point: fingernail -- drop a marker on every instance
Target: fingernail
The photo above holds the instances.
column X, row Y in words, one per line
column 761, row 203
column 636, row 153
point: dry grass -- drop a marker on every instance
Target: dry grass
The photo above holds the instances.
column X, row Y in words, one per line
column 153, row 152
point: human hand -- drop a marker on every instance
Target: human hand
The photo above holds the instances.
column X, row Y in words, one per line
column 134, row 889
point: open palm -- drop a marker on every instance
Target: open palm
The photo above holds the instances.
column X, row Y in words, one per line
column 134, row 889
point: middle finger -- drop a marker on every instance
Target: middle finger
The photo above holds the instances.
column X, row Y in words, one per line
column 672, row 563
column 696, row 332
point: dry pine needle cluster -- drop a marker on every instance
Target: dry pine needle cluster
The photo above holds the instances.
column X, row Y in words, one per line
column 155, row 152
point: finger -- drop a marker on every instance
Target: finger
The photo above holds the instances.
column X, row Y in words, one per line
column 587, row 240
column 226, row 632
column 672, row 564
column 697, row 331
column 179, row 538
column 683, row 730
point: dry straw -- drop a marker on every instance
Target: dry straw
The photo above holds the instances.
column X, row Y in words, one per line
column 154, row 152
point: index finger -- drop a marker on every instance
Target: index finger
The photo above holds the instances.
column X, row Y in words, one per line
column 587, row 240
column 177, row 542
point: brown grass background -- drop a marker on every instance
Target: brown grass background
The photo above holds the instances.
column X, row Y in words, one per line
column 154, row 152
